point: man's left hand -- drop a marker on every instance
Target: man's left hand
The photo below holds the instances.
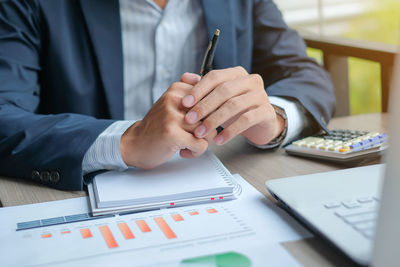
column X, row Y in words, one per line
column 234, row 99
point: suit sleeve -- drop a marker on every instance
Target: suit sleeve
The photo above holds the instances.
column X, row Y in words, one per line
column 48, row 149
column 279, row 56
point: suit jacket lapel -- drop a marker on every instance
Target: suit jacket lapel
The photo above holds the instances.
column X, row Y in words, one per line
column 103, row 23
column 219, row 14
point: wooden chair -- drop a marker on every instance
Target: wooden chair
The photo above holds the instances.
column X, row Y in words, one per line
column 335, row 59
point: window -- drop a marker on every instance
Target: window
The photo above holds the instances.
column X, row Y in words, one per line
column 366, row 20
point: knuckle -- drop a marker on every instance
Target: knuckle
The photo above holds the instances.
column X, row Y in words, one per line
column 247, row 118
column 175, row 86
column 172, row 97
column 224, row 87
column 213, row 75
column 211, row 122
column 234, row 103
column 203, row 145
column 169, row 131
column 168, row 94
column 211, row 135
column 240, row 70
column 257, row 78
column 200, row 109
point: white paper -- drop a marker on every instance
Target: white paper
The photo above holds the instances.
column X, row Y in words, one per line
column 240, row 225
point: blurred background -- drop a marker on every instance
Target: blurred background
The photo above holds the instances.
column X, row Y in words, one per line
column 371, row 23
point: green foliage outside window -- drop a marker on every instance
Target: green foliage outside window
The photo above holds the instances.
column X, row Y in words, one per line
column 379, row 25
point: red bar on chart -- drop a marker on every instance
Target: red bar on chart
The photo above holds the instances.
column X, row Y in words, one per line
column 126, row 232
column 86, row 233
column 108, row 236
column 46, row 235
column 65, row 232
column 143, row 226
column 165, row 227
column 212, row 211
column 193, row 213
column 177, row 217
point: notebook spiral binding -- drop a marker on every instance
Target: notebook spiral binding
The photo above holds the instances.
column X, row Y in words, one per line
column 226, row 175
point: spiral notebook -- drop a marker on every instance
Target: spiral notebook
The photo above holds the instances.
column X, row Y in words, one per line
column 178, row 182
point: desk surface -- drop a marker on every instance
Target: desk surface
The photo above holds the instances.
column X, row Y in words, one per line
column 255, row 165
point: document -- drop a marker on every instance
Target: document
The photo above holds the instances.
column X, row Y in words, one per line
column 60, row 233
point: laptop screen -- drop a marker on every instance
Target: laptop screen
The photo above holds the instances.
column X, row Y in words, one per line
column 386, row 247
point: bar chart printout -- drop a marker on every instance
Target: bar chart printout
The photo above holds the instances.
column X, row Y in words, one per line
column 165, row 227
column 126, row 232
column 68, row 233
column 144, row 227
column 108, row 236
column 135, row 231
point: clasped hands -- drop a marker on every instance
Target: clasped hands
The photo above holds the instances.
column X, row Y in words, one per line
column 186, row 116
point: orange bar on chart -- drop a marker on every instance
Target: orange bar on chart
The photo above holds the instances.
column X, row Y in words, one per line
column 86, row 233
column 143, row 226
column 126, row 232
column 165, row 227
column 193, row 213
column 46, row 235
column 108, row 236
column 66, row 232
column 177, row 217
column 212, row 211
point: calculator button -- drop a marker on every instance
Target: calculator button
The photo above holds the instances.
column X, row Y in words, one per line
column 344, row 149
column 298, row 143
column 334, row 148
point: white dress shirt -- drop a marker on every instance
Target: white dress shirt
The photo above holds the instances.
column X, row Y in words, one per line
column 158, row 47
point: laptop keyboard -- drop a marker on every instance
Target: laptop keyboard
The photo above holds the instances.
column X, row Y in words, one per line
column 360, row 214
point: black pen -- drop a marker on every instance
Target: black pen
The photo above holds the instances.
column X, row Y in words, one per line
column 209, row 56
column 208, row 60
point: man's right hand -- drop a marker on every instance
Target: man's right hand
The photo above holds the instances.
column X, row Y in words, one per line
column 163, row 131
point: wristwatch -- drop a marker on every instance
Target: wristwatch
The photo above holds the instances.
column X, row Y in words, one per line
column 279, row 139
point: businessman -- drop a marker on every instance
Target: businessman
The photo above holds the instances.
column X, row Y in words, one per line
column 91, row 85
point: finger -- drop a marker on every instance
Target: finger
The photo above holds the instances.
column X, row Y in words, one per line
column 210, row 81
column 210, row 137
column 245, row 121
column 190, row 78
column 216, row 98
column 179, row 88
column 190, row 127
column 195, row 145
column 231, row 108
column 186, row 153
column 175, row 93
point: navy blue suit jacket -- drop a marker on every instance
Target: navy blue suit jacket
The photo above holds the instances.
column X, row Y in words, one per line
column 61, row 78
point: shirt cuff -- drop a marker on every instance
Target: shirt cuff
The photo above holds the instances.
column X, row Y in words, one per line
column 105, row 153
column 296, row 120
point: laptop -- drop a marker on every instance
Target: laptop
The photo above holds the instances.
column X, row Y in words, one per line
column 357, row 209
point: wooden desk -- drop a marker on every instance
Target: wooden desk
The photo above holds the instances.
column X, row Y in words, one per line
column 255, row 165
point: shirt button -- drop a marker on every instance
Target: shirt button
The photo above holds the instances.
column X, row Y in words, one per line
column 35, row 176
column 54, row 177
column 45, row 176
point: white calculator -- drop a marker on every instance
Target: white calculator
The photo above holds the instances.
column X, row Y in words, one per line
column 340, row 145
